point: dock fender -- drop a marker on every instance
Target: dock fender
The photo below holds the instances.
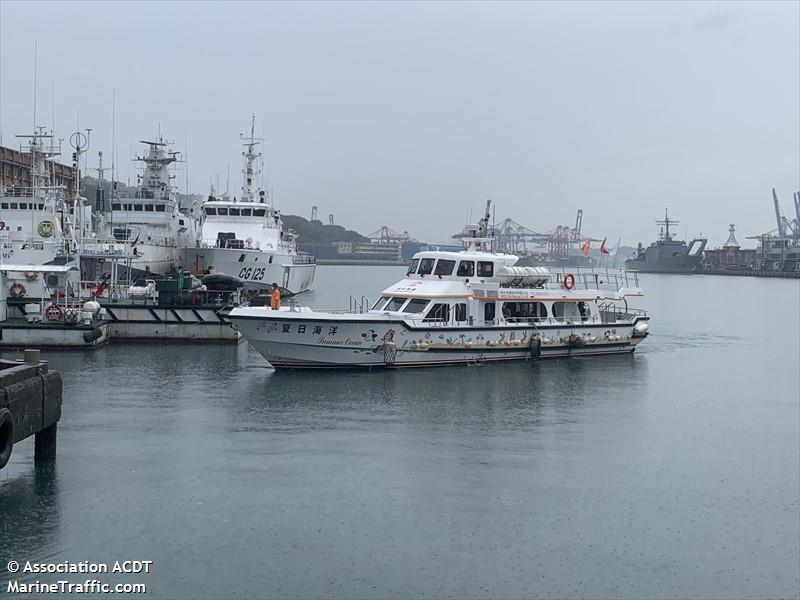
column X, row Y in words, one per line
column 93, row 335
column 536, row 348
column 6, row 436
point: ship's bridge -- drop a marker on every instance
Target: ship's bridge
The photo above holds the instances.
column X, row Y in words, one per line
column 230, row 224
column 457, row 266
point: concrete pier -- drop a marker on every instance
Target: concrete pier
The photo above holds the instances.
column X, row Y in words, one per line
column 30, row 404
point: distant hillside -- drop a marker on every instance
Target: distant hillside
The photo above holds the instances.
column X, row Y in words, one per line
column 314, row 232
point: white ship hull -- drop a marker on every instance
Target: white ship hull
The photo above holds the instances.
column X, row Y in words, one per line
column 306, row 339
column 259, row 270
column 157, row 259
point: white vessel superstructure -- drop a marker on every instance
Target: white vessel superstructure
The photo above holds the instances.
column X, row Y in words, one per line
column 464, row 307
column 149, row 220
column 33, row 228
column 244, row 237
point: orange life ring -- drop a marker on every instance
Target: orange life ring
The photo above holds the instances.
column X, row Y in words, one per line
column 53, row 312
column 569, row 281
column 17, row 290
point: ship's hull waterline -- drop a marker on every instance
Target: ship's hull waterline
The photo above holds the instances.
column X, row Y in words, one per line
column 258, row 270
column 292, row 342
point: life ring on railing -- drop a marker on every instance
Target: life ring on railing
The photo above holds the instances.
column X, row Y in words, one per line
column 17, row 290
column 54, row 312
column 569, row 281
column 31, row 275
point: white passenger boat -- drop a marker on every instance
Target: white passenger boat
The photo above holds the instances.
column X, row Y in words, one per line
column 472, row 306
column 245, row 238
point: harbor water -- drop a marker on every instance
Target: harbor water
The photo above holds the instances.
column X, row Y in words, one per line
column 672, row 473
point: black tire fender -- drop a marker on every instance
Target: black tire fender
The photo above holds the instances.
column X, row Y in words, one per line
column 6, row 436
column 536, row 348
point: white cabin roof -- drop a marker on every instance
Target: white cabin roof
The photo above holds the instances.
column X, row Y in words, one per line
column 37, row 268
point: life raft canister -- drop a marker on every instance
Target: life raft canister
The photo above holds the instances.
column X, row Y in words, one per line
column 17, row 290
column 569, row 281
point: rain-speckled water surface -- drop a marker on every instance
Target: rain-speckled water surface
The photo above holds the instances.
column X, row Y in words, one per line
column 672, row 473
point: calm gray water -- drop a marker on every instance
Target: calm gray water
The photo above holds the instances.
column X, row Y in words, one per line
column 669, row 474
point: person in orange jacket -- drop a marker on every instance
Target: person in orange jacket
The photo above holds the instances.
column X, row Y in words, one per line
column 275, row 304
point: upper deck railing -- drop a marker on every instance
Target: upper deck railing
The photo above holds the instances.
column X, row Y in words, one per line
column 595, row 278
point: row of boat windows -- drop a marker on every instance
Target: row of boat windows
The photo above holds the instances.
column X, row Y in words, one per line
column 235, row 212
column 139, row 207
column 466, row 268
column 511, row 311
column 21, row 206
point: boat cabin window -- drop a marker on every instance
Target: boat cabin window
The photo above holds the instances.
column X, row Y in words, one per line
column 259, row 212
column 426, row 266
column 584, row 311
column 417, row 305
column 395, row 304
column 148, row 207
column 211, row 210
column 485, row 269
column 246, row 212
column 565, row 310
column 445, row 267
column 461, row 312
column 126, row 206
column 116, row 207
column 466, row 268
column 160, row 208
column 222, row 211
column 413, row 267
column 527, row 311
column 4, row 205
column 233, row 212
column 23, row 205
column 488, row 311
column 137, row 208
column 438, row 312
column 41, row 206
column 381, row 301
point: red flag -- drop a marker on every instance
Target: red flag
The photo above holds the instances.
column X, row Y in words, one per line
column 136, row 241
column 603, row 249
column 585, row 247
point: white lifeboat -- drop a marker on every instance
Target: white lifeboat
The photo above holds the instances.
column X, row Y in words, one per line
column 530, row 276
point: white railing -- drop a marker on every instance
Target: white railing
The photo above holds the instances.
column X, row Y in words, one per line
column 595, row 278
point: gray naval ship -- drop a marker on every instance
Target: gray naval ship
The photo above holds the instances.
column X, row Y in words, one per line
column 668, row 255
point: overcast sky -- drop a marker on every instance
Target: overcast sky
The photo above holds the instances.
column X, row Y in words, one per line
column 411, row 114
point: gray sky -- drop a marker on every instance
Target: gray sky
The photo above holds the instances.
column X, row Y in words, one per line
column 410, row 114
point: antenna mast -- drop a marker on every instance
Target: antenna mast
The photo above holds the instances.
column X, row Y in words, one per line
column 666, row 223
column 250, row 158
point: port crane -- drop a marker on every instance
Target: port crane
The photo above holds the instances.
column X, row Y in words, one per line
column 787, row 227
column 515, row 238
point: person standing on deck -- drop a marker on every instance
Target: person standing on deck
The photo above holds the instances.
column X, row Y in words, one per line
column 275, row 304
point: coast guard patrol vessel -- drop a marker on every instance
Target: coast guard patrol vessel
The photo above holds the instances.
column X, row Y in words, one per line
column 463, row 307
column 245, row 238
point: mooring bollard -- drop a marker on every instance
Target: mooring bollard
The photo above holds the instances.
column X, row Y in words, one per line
column 31, row 355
